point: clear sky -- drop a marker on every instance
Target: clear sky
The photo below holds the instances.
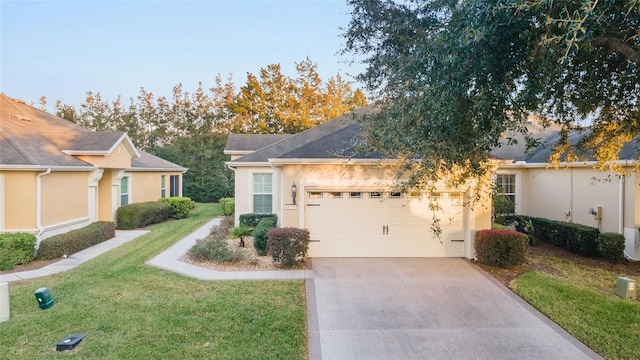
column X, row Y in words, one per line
column 62, row 49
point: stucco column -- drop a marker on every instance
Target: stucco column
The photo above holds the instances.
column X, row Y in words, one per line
column 93, row 203
column 117, row 175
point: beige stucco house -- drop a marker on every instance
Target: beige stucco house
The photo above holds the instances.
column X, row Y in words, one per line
column 56, row 176
column 351, row 210
column 315, row 180
column 576, row 191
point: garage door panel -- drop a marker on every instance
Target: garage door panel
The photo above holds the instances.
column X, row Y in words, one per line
column 374, row 227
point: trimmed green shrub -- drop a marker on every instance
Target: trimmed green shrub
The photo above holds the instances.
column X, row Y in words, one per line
column 495, row 226
column 228, row 205
column 214, row 247
column 215, row 250
column 16, row 249
column 261, row 234
column 180, row 206
column 139, row 215
column 252, row 220
column 503, row 248
column 612, row 247
column 577, row 238
column 288, row 246
column 76, row 240
column 522, row 224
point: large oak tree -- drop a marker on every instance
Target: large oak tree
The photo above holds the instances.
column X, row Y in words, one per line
column 453, row 76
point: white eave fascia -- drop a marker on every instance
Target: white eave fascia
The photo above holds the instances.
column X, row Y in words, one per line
column 332, row 161
column 576, row 164
column 238, row 152
column 139, row 169
column 45, row 167
column 238, row 163
column 86, row 152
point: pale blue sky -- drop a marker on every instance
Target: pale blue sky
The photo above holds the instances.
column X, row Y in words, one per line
column 62, row 49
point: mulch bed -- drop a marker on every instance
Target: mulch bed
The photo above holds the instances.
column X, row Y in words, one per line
column 543, row 249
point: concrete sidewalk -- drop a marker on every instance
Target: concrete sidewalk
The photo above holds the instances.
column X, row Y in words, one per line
column 168, row 259
column 122, row 237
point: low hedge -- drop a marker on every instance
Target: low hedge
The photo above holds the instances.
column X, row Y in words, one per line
column 503, row 248
column 252, row 220
column 16, row 249
column 180, row 206
column 228, row 206
column 261, row 233
column 612, row 247
column 139, row 215
column 577, row 238
column 288, row 246
column 76, row 240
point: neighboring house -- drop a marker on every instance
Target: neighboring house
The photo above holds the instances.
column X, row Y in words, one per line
column 316, row 180
column 575, row 192
column 56, row 176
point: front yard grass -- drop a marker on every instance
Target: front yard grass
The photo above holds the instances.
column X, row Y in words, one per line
column 129, row 310
column 581, row 299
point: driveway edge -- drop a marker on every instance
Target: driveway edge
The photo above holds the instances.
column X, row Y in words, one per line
column 557, row 328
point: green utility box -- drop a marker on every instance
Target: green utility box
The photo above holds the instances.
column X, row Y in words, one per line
column 626, row 288
column 43, row 295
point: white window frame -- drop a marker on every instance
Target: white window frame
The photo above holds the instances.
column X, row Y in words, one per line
column 513, row 183
column 261, row 191
column 163, row 186
column 126, row 179
column 174, row 185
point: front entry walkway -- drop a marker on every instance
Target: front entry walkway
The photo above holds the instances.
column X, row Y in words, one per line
column 424, row 308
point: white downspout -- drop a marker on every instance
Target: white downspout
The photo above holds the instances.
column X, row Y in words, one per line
column 39, row 202
column 621, row 204
column 281, row 197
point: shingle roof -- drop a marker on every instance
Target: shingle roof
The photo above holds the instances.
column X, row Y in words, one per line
column 330, row 140
column 33, row 138
column 22, row 139
column 251, row 142
column 334, row 139
column 151, row 162
column 548, row 137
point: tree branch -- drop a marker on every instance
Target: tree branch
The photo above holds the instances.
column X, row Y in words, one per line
column 616, row 45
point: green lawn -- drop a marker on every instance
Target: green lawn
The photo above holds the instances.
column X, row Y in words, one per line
column 129, row 310
column 606, row 323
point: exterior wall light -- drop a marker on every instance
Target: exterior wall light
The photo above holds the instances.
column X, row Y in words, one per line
column 294, row 192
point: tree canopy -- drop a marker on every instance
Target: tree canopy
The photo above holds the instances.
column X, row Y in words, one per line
column 191, row 129
column 453, row 76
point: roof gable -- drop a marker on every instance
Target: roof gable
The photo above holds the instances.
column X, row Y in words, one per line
column 33, row 138
column 331, row 140
column 149, row 162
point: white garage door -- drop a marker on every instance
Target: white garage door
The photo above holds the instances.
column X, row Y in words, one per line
column 383, row 224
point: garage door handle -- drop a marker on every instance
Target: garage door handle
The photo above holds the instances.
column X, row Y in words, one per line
column 385, row 229
column 313, row 204
column 457, row 240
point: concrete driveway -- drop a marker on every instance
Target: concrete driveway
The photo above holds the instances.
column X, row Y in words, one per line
column 424, row 308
